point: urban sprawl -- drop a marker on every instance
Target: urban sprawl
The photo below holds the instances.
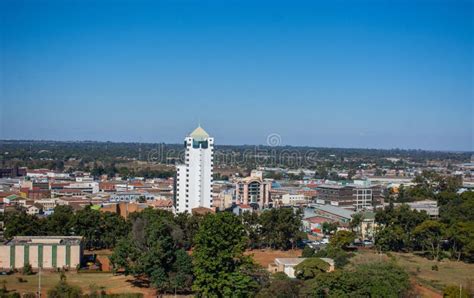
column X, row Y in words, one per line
column 304, row 213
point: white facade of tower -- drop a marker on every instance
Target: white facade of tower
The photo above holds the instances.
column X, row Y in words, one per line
column 194, row 178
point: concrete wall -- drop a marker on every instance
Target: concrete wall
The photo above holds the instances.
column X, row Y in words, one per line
column 47, row 256
column 19, row 256
column 33, row 256
column 19, row 251
column 75, row 256
column 61, row 255
column 4, row 256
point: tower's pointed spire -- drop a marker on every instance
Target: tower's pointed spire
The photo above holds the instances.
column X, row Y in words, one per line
column 199, row 134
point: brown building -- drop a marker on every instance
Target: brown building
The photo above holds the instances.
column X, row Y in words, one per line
column 12, row 172
column 352, row 196
column 124, row 209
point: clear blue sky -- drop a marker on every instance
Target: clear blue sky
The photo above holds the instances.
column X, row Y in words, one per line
column 378, row 74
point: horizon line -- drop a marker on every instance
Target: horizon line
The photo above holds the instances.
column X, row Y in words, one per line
column 217, row 145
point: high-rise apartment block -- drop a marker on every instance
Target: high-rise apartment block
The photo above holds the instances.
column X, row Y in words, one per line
column 194, row 177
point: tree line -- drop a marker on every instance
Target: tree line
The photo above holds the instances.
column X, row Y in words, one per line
column 451, row 235
column 99, row 229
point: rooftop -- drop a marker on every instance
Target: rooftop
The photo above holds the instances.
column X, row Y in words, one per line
column 199, row 134
column 289, row 261
column 333, row 210
column 18, row 240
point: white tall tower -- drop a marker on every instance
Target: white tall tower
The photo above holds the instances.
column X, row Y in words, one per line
column 194, row 178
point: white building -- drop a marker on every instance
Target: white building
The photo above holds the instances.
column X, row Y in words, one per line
column 293, row 199
column 194, row 178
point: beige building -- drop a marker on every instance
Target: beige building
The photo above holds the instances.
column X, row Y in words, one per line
column 47, row 252
column 287, row 265
column 253, row 190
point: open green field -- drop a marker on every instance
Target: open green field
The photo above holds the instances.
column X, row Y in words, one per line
column 86, row 281
column 449, row 272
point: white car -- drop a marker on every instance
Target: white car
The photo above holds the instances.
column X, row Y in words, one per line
column 324, row 241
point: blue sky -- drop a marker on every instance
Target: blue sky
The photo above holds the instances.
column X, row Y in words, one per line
column 368, row 74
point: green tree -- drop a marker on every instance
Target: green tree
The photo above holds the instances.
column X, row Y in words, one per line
column 27, row 269
column 189, row 225
column 18, row 223
column 308, row 252
column 280, row 227
column 461, row 238
column 59, row 223
column 342, row 239
column 87, row 223
column 429, row 235
column 152, row 250
column 281, row 286
column 64, row 290
column 355, row 223
column 309, row 268
column 329, row 227
column 182, row 274
column 400, row 220
column 369, row 280
column 113, row 227
column 218, row 258
column 252, row 227
column 390, row 238
column 340, row 257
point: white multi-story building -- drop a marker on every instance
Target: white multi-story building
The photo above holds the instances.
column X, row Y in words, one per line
column 194, row 178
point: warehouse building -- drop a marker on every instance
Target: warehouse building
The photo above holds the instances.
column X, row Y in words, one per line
column 47, row 252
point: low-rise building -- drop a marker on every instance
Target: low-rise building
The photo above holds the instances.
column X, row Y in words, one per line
column 368, row 225
column 357, row 196
column 429, row 206
column 34, row 209
column 240, row 209
column 47, row 252
column 314, row 224
column 340, row 215
column 287, row 265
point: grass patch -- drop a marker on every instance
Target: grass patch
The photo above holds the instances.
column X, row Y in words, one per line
column 448, row 273
column 112, row 284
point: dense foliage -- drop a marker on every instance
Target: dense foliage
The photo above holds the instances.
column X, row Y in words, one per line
column 369, row 280
column 220, row 267
column 452, row 234
column 153, row 249
column 99, row 229
column 274, row 228
column 310, row 268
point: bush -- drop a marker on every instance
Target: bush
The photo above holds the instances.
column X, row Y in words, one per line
column 27, row 269
column 454, row 291
column 340, row 257
column 369, row 280
column 281, row 286
column 63, row 289
column 308, row 252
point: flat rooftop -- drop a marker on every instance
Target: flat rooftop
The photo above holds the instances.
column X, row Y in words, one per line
column 62, row 240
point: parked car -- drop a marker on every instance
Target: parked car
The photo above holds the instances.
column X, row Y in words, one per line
column 324, row 241
column 368, row 243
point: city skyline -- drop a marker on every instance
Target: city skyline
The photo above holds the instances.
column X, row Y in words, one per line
column 324, row 74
